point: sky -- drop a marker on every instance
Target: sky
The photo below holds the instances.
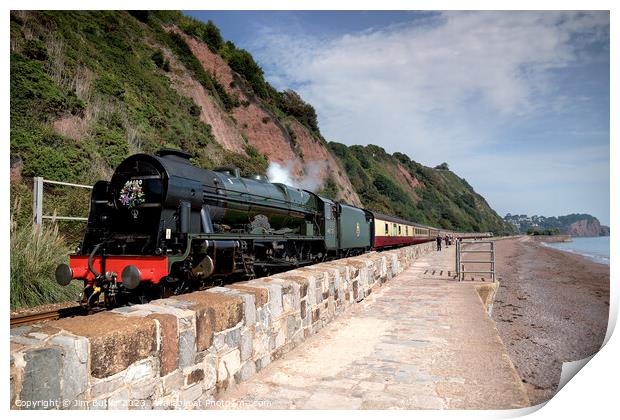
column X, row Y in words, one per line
column 517, row 103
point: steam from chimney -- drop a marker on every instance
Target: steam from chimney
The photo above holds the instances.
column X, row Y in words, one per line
column 283, row 174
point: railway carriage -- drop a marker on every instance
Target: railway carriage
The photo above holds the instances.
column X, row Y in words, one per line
column 390, row 231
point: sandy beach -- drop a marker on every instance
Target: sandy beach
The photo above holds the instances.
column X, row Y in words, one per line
column 551, row 307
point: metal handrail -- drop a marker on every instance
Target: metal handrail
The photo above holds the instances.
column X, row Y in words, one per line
column 460, row 263
column 37, row 200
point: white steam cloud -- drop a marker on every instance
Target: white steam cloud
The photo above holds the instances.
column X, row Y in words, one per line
column 283, row 174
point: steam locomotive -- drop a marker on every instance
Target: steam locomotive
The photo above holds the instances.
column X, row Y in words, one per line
column 162, row 226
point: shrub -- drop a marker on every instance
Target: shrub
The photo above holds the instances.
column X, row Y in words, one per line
column 35, row 253
column 158, row 58
column 110, row 85
column 292, row 104
column 33, row 92
column 330, row 189
column 243, row 63
column 211, row 35
column 35, row 49
column 141, row 15
column 387, row 187
column 195, row 110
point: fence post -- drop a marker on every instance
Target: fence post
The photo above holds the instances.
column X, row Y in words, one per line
column 37, row 201
column 458, row 262
column 493, row 261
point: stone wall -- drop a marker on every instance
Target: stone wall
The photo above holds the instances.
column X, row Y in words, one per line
column 182, row 351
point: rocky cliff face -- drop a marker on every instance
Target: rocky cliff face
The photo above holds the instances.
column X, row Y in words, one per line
column 572, row 224
column 585, row 227
column 90, row 88
column 283, row 141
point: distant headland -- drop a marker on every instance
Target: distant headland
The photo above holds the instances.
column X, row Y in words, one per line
column 572, row 224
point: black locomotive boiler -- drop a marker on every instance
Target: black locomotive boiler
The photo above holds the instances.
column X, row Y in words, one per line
column 162, row 226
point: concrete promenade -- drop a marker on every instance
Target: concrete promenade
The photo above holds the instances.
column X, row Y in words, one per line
column 422, row 341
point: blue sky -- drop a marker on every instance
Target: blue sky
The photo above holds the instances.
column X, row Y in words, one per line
column 516, row 102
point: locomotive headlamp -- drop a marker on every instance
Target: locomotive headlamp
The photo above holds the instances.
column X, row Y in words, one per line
column 131, row 277
column 63, row 274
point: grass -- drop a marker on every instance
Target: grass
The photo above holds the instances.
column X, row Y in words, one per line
column 35, row 253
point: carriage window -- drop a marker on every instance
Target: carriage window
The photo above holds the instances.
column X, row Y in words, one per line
column 399, row 231
column 387, row 229
column 406, row 230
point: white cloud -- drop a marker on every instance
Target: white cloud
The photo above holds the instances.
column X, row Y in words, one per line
column 390, row 82
column 439, row 88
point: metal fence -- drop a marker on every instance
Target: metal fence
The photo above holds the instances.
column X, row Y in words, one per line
column 37, row 201
column 465, row 247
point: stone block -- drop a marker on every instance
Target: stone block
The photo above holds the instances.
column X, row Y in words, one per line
column 291, row 326
column 249, row 302
column 356, row 291
column 248, row 369
column 312, row 291
column 194, row 376
column 75, row 366
column 187, row 348
column 318, row 295
column 263, row 319
column 210, row 371
column 219, row 342
column 260, row 345
column 280, row 337
column 228, row 365
column 26, row 341
column 233, row 338
column 41, row 375
column 275, row 299
column 139, row 371
column 214, row 312
column 116, row 341
column 290, row 300
column 261, row 293
column 262, row 362
column 246, row 345
column 185, row 317
column 168, row 342
column 146, row 389
column 316, row 315
column 303, row 308
column 119, row 400
column 190, row 394
column 106, row 385
column 173, row 381
column 300, row 278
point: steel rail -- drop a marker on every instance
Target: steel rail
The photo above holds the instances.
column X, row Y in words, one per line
column 47, row 316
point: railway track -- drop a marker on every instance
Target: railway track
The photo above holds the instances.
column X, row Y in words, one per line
column 49, row 315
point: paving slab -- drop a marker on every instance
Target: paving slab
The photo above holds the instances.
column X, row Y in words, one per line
column 422, row 341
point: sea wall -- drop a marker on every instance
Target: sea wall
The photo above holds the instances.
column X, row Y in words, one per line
column 181, row 352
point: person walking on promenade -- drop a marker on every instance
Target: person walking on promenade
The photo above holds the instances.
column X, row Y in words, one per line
column 438, row 243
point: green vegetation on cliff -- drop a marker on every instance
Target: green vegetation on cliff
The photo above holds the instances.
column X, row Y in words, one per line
column 395, row 184
column 88, row 89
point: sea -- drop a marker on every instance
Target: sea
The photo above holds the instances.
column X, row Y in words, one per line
column 594, row 248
